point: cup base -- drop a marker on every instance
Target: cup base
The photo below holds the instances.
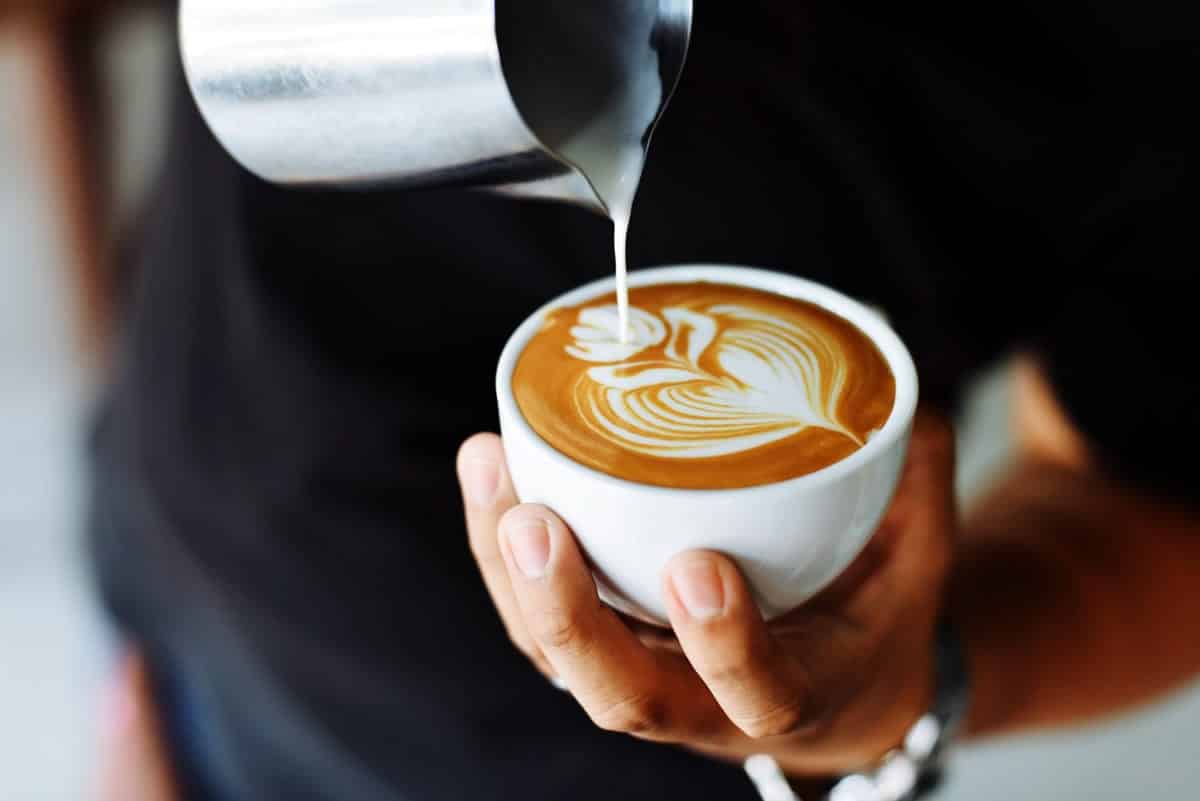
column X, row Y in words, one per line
column 626, row 607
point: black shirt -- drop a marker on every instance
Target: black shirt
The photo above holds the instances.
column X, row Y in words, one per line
column 277, row 514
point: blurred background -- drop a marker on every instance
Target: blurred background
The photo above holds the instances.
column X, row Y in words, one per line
column 55, row 653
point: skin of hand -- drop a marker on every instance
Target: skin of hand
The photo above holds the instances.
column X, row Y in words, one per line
column 825, row 689
column 134, row 765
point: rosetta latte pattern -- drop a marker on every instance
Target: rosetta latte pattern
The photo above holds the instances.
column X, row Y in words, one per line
column 713, row 386
column 729, row 379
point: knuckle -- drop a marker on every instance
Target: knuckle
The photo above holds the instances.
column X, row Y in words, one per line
column 729, row 680
column 558, row 628
column 637, row 715
column 788, row 717
column 735, row 666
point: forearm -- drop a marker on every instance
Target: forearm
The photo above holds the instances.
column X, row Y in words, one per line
column 1075, row 600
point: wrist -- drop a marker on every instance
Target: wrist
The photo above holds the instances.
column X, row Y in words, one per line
column 915, row 761
column 882, row 725
column 916, row 766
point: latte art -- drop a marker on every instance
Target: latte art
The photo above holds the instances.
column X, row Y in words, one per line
column 713, row 386
column 772, row 379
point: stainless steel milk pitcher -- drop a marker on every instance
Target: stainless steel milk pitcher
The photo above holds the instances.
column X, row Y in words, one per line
column 418, row 92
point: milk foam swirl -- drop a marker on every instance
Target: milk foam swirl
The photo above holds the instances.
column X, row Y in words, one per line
column 729, row 379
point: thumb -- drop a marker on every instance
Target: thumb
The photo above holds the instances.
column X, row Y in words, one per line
column 134, row 763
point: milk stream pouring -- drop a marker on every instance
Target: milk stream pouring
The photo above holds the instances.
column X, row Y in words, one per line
column 538, row 98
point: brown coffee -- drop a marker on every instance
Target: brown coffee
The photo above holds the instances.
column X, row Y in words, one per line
column 715, row 386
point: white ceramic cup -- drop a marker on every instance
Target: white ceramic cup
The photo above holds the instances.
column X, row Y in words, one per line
column 790, row 538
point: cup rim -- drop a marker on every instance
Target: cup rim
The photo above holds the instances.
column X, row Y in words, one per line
column 867, row 320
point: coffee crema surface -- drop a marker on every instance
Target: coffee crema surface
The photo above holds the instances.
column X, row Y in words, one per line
column 716, row 386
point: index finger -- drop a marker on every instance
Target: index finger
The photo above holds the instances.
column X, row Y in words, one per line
column 762, row 690
column 623, row 685
column 487, row 494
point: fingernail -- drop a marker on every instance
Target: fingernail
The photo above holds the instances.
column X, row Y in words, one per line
column 481, row 479
column 698, row 587
column 529, row 542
